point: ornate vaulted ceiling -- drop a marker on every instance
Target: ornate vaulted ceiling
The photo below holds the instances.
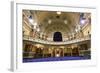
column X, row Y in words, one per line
column 50, row 21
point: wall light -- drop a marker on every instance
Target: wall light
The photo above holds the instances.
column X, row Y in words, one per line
column 82, row 21
column 31, row 19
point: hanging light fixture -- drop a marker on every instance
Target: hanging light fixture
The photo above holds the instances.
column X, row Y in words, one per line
column 58, row 12
column 76, row 30
column 65, row 21
column 38, row 29
column 35, row 26
column 49, row 21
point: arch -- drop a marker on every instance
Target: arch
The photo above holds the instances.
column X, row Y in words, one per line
column 57, row 37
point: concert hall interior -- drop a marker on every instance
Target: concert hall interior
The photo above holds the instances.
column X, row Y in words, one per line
column 55, row 35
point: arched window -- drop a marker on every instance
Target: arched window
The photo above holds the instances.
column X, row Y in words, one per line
column 57, row 37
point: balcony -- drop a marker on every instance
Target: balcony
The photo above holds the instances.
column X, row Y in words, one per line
column 27, row 38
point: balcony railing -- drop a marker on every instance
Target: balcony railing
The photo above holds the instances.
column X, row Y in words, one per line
column 56, row 43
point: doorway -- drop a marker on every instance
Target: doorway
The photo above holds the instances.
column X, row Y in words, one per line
column 57, row 37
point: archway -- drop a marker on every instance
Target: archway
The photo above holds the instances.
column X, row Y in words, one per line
column 57, row 37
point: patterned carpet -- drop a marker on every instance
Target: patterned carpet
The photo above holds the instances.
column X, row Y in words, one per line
column 25, row 60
